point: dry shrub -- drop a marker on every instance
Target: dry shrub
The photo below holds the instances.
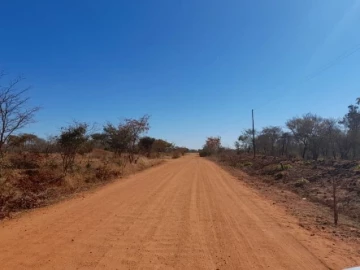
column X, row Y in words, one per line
column 176, row 154
column 26, row 200
column 52, row 164
column 300, row 183
column 104, row 173
column 12, row 199
column 5, row 197
column 38, row 180
column 154, row 155
column 271, row 169
column 281, row 176
column 120, row 162
column 73, row 182
column 25, row 161
column 100, row 154
column 144, row 163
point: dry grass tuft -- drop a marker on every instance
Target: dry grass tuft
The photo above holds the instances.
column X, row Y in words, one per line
column 33, row 180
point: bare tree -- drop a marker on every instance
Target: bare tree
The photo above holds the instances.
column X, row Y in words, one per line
column 14, row 112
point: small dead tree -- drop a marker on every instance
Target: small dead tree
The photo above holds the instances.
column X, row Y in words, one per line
column 14, row 112
column 70, row 142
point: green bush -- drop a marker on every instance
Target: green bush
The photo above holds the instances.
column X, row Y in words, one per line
column 204, row 153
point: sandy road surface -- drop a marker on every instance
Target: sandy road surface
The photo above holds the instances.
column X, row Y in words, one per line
column 186, row 214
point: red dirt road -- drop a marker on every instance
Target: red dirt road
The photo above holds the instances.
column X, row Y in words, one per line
column 185, row 214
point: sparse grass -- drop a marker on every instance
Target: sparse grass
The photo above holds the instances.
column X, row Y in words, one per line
column 281, row 175
column 307, row 162
column 247, row 164
column 301, row 182
column 284, row 167
column 309, row 179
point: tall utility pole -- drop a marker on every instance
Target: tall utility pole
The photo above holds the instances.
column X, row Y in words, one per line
column 253, row 132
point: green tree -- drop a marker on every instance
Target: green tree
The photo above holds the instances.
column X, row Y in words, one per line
column 136, row 128
column 117, row 138
column 25, row 142
column 212, row 146
column 273, row 135
column 99, row 140
column 285, row 142
column 70, row 142
column 351, row 122
column 146, row 144
column 305, row 130
column 245, row 140
column 161, row 146
column 125, row 137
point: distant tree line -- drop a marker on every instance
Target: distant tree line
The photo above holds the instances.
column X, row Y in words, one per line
column 309, row 136
column 124, row 139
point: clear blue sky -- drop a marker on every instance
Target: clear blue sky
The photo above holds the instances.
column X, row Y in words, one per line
column 197, row 67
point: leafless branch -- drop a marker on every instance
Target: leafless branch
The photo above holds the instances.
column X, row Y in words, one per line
column 14, row 114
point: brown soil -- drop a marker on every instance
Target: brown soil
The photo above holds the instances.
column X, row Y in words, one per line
column 185, row 214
